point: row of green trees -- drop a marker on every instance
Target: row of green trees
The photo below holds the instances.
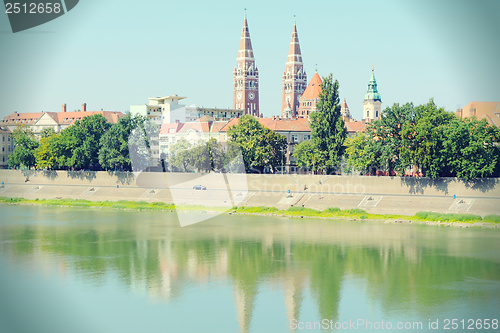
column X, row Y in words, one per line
column 90, row 143
column 428, row 140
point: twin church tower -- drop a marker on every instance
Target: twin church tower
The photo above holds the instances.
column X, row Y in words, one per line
column 295, row 103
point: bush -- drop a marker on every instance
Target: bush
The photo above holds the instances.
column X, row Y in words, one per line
column 492, row 218
column 332, row 210
column 451, row 217
column 354, row 211
column 302, row 211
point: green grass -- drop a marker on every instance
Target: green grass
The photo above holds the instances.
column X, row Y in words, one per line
column 332, row 212
column 451, row 217
column 492, row 218
column 121, row 204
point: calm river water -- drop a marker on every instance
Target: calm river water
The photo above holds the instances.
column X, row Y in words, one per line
column 75, row 270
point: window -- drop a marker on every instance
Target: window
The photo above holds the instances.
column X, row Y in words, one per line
column 307, row 137
column 3, row 138
column 367, row 114
column 376, row 114
column 295, row 138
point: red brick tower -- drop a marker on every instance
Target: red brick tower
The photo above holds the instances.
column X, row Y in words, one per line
column 294, row 78
column 246, row 76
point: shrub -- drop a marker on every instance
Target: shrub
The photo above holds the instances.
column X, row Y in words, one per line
column 332, row 210
column 354, row 211
column 492, row 218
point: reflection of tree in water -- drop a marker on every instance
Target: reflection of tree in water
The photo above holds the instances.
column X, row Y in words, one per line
column 160, row 265
column 327, row 267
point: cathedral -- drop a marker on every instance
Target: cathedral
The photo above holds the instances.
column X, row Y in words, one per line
column 246, row 76
column 298, row 97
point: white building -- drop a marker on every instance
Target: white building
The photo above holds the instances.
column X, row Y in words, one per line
column 167, row 110
column 372, row 103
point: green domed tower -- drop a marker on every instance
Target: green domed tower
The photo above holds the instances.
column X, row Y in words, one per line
column 373, row 103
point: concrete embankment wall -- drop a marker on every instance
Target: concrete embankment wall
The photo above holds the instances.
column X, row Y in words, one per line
column 374, row 194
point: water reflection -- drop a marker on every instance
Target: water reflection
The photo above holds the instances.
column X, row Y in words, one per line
column 410, row 270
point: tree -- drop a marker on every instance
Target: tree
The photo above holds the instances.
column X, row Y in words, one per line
column 328, row 130
column 422, row 139
column 308, row 156
column 180, row 155
column 387, row 131
column 25, row 145
column 200, row 156
column 259, row 146
column 79, row 143
column 114, row 144
column 357, row 157
column 470, row 148
column 47, row 152
column 47, row 132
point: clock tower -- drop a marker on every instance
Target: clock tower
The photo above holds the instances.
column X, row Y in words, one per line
column 246, row 76
column 294, row 78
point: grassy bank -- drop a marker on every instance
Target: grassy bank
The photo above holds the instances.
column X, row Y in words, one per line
column 333, row 212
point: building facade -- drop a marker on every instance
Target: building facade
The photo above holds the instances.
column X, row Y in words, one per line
column 7, row 146
column 310, row 97
column 294, row 79
column 344, row 112
column 166, row 110
column 55, row 120
column 481, row 110
column 372, row 104
column 246, row 77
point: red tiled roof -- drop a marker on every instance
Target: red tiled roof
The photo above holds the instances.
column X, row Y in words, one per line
column 22, row 118
column 70, row 117
column 62, row 118
column 313, row 89
column 165, row 128
column 277, row 124
column 198, row 127
column 286, row 125
column 205, row 118
column 217, row 126
column 355, row 126
column 232, row 122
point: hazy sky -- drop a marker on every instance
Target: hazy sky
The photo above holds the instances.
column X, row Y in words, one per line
column 114, row 53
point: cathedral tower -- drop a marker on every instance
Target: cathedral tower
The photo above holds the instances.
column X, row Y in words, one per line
column 246, row 76
column 294, row 78
column 372, row 103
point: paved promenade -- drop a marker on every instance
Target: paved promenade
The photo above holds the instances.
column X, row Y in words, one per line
column 373, row 194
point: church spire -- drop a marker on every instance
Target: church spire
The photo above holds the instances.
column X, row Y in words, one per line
column 294, row 77
column 372, row 103
column 246, row 75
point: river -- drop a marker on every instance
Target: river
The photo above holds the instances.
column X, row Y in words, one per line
column 97, row 270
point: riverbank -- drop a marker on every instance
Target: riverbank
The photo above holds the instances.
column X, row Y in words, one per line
column 356, row 214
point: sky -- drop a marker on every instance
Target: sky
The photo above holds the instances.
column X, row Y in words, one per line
column 115, row 53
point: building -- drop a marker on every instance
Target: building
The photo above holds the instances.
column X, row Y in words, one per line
column 7, row 146
column 372, row 103
column 203, row 129
column 55, row 120
column 294, row 79
column 482, row 110
column 246, row 76
column 166, row 110
column 310, row 97
column 295, row 130
column 344, row 112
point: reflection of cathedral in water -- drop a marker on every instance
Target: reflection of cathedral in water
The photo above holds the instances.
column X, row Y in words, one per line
column 300, row 261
